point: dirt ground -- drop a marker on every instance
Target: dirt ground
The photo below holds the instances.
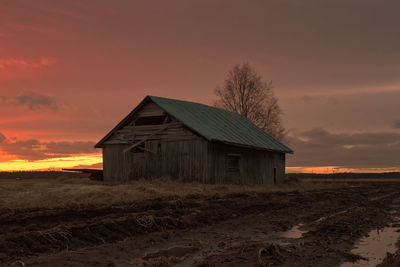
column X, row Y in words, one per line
column 236, row 229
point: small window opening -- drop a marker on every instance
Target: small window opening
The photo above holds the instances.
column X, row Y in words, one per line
column 159, row 149
column 233, row 162
column 150, row 120
column 274, row 175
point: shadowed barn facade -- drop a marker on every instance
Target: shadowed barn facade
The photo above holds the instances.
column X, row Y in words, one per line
column 192, row 142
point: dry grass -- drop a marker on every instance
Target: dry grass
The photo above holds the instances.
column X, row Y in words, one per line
column 68, row 192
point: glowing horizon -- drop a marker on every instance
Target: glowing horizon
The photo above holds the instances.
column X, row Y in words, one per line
column 338, row 169
column 51, row 164
column 95, row 162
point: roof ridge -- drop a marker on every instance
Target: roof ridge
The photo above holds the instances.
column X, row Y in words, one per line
column 197, row 103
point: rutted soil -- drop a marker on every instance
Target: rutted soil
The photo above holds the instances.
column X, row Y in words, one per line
column 225, row 230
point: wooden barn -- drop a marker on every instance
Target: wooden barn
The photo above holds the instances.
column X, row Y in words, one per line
column 192, row 142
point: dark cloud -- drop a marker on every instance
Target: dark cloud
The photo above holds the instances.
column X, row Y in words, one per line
column 319, row 147
column 2, row 137
column 321, row 136
column 32, row 100
column 68, row 148
column 351, row 112
column 33, row 149
column 28, row 149
column 396, row 124
column 35, row 101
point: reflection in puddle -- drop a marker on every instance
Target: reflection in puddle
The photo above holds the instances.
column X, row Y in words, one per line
column 294, row 232
column 375, row 246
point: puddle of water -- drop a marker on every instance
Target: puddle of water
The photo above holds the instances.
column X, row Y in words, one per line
column 375, row 246
column 294, row 232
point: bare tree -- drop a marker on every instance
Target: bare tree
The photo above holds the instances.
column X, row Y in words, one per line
column 244, row 92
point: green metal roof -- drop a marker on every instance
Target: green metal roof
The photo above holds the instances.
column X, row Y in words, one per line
column 216, row 124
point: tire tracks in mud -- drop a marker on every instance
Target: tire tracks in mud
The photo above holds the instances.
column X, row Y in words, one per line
column 325, row 242
column 41, row 232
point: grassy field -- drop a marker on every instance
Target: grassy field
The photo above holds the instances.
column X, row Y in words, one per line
column 64, row 191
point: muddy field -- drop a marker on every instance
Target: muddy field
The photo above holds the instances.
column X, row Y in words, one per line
column 311, row 228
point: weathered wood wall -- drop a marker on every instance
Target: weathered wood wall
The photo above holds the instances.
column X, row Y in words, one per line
column 185, row 159
column 255, row 166
column 113, row 162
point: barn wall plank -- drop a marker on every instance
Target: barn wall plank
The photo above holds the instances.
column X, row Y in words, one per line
column 113, row 162
column 180, row 159
column 129, row 134
column 256, row 166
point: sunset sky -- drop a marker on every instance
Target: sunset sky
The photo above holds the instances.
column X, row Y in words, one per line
column 71, row 70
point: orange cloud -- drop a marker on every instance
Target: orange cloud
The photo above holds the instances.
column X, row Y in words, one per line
column 34, row 150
